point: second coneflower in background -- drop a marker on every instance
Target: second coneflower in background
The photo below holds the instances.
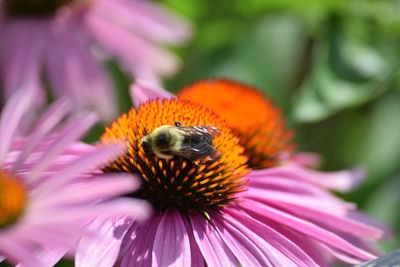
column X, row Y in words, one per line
column 66, row 42
column 48, row 191
column 254, row 119
column 214, row 211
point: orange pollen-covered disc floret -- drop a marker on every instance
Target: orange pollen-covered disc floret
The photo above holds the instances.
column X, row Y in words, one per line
column 180, row 182
column 255, row 119
column 12, row 199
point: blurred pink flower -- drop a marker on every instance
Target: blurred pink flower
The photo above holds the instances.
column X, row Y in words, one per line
column 48, row 192
column 283, row 217
column 68, row 41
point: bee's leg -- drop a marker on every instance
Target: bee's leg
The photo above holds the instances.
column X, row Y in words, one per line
column 196, row 162
column 214, row 157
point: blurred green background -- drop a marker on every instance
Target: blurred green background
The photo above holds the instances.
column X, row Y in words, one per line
column 331, row 65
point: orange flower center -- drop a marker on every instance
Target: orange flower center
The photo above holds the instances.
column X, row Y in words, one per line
column 257, row 122
column 180, row 182
column 35, row 8
column 12, row 199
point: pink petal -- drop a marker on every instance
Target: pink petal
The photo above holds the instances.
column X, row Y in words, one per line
column 52, row 117
column 342, row 180
column 281, row 248
column 197, row 257
column 295, row 187
column 58, row 239
column 213, row 248
column 23, row 45
column 142, row 92
column 82, row 165
column 311, row 248
column 49, row 256
column 93, row 189
column 11, row 117
column 141, row 241
column 146, row 19
column 171, row 245
column 75, row 72
column 343, row 256
column 101, row 245
column 364, row 219
column 126, row 243
column 73, row 133
column 244, row 249
column 128, row 207
column 133, row 52
column 306, row 159
column 17, row 253
column 295, row 200
column 304, row 227
column 333, row 221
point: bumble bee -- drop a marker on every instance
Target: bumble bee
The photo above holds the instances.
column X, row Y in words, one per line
column 191, row 142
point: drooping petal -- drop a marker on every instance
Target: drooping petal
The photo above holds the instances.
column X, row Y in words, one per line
column 92, row 189
column 142, row 54
column 23, row 43
column 76, row 73
column 285, row 249
column 17, row 253
column 306, row 159
column 341, row 180
column 147, row 19
column 245, row 251
column 142, row 91
column 141, row 244
column 305, row 227
column 100, row 246
column 49, row 255
column 294, row 186
column 197, row 257
column 53, row 116
column 171, row 244
column 333, row 221
column 310, row 247
column 135, row 209
column 11, row 117
column 77, row 129
column 212, row 246
column 62, row 238
column 342, row 256
column 92, row 160
column 290, row 199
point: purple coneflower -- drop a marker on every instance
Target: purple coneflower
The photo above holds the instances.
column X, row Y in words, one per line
column 47, row 191
column 68, row 39
column 218, row 212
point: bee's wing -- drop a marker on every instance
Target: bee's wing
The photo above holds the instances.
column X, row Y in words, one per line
column 209, row 131
column 197, row 142
column 214, row 131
